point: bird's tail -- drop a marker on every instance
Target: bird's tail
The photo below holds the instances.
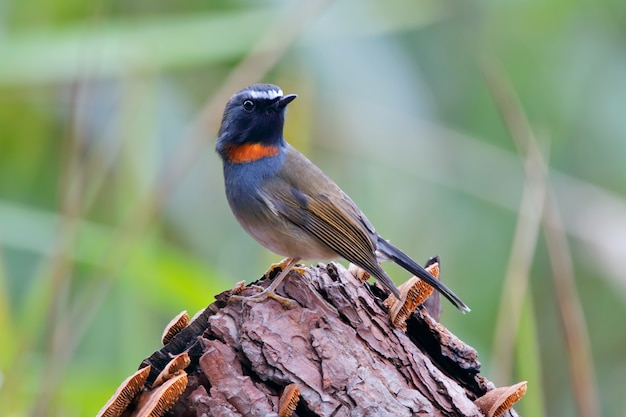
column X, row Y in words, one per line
column 396, row 255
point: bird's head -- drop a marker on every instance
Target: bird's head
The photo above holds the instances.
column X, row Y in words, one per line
column 254, row 115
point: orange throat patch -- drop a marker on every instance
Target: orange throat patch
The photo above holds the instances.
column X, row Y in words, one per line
column 250, row 152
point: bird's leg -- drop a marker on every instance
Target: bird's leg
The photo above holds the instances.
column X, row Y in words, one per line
column 269, row 291
column 283, row 265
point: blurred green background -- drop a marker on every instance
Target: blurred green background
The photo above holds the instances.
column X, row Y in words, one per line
column 112, row 211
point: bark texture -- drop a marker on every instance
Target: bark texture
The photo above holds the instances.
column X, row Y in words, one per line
column 337, row 344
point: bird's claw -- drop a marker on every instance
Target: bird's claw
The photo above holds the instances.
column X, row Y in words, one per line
column 263, row 295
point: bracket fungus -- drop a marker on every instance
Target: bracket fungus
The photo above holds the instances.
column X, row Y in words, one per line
column 156, row 402
column 125, row 394
column 172, row 369
column 289, row 400
column 358, row 272
column 174, row 327
column 166, row 389
column 497, row 401
column 412, row 293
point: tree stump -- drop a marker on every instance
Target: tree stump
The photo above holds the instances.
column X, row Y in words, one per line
column 338, row 347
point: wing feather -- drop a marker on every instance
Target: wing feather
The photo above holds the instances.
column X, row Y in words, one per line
column 303, row 195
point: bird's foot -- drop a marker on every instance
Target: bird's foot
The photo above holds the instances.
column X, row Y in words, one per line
column 282, row 265
column 262, row 295
column 287, row 265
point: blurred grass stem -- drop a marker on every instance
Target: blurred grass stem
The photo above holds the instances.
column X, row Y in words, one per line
column 515, row 288
column 72, row 189
column 568, row 301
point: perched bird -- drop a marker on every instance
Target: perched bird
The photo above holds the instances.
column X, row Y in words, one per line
column 288, row 204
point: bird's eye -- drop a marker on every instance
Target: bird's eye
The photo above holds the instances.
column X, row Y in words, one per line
column 248, row 105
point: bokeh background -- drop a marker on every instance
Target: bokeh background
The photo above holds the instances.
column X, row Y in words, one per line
column 491, row 133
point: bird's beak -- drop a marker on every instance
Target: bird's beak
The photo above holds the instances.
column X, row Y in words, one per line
column 283, row 101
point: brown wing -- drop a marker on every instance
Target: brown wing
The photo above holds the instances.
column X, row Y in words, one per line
column 312, row 201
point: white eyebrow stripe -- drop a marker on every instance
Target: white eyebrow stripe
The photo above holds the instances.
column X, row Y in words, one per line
column 268, row 94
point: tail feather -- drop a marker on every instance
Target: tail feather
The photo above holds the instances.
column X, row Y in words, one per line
column 397, row 256
column 383, row 278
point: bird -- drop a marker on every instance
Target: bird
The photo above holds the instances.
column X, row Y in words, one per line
column 289, row 205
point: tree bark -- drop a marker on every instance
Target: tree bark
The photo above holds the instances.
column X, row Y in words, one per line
column 337, row 344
